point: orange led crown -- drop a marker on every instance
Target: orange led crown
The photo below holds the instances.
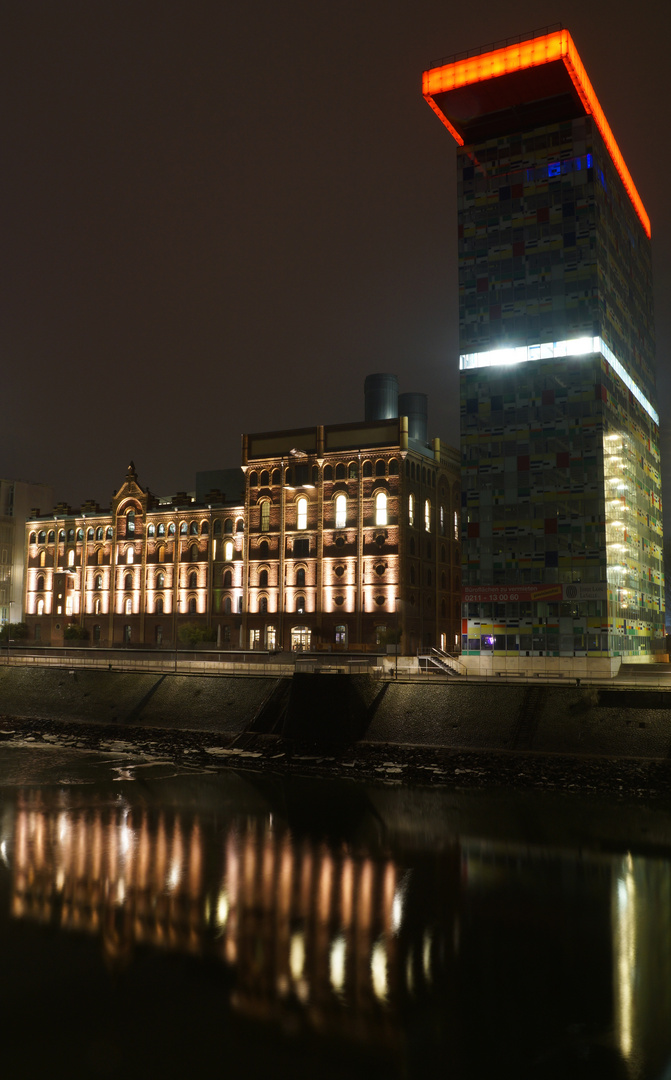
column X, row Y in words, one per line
column 459, row 95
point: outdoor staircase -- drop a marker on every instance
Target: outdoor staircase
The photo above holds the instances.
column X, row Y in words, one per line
column 443, row 661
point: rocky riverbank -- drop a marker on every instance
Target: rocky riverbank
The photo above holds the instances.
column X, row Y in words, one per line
column 391, row 763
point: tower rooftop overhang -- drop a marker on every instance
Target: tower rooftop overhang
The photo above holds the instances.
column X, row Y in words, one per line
column 519, row 87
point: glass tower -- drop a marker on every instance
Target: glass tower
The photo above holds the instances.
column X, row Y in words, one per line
column 561, row 488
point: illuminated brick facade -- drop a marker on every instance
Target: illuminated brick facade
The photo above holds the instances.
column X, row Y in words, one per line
column 346, row 536
column 351, row 538
column 561, row 487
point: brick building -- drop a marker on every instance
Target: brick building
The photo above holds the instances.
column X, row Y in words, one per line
column 345, row 537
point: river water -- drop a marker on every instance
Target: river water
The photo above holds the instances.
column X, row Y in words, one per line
column 160, row 923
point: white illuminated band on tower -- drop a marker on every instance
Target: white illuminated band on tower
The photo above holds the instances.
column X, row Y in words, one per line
column 557, row 350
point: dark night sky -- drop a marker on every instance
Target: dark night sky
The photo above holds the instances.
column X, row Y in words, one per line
column 219, row 217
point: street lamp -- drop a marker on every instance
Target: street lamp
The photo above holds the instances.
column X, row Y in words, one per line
column 397, row 602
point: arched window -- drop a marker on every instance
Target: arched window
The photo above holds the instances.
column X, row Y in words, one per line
column 427, row 515
column 99, row 533
column 171, row 528
column 288, row 477
column 160, row 580
column 80, row 535
column 183, row 528
column 380, row 468
column 129, row 606
column 263, row 605
column 40, row 584
column 302, row 513
column 239, row 525
column 151, row 530
column 128, row 581
column 228, row 526
column 253, row 479
column 129, row 556
column 130, row 523
column 160, row 530
column 192, row 606
column 265, row 478
column 442, row 521
column 110, row 533
column 328, row 472
column 52, row 537
column 204, row 529
column 393, row 467
column 367, row 469
column 71, row 535
column 193, row 528
column 158, row 606
column 227, row 605
column 100, row 556
column 98, row 582
column 228, row 579
column 263, row 579
column 96, row 606
column 43, row 558
column 194, row 553
column 265, row 515
column 193, row 580
column 228, row 550
column 300, row 605
column 40, row 607
column 411, row 509
column 264, row 549
column 161, row 553
column 352, row 471
column 41, row 537
column 217, row 527
column 61, row 536
column 300, row 577
column 277, row 476
column 340, row 471
column 89, row 534
column 33, row 538
column 340, row 511
column 381, row 508
column 71, row 557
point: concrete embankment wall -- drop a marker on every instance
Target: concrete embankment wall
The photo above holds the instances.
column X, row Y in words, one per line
column 339, row 708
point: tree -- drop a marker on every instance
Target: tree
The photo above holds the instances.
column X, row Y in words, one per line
column 75, row 632
column 15, row 631
column 191, row 634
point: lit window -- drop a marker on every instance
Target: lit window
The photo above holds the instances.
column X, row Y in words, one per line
column 96, row 606
column 160, row 580
column 130, row 523
column 228, row 550
column 43, row 558
column 427, row 515
column 456, row 525
column 160, row 530
column 110, row 532
column 40, row 607
column 71, row 558
column 129, row 556
column 381, row 508
column 99, row 533
column 265, row 516
column 98, row 581
column 302, row 509
column 129, row 606
column 151, row 530
column 68, row 605
column 411, row 509
column 442, row 521
column 340, row 512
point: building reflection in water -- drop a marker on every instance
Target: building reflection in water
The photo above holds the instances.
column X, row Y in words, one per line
column 310, row 931
column 355, row 940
